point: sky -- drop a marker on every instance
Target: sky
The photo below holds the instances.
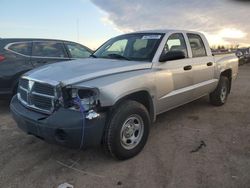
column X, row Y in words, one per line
column 92, row 22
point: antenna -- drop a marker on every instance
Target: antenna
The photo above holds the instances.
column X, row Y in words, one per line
column 77, row 29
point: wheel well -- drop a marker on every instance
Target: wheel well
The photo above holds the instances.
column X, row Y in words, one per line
column 142, row 97
column 228, row 73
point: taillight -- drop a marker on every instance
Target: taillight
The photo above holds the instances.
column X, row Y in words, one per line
column 2, row 58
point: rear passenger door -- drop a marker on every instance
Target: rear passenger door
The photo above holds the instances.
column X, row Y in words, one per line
column 203, row 66
column 44, row 52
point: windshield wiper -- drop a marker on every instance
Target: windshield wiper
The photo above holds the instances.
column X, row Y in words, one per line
column 117, row 56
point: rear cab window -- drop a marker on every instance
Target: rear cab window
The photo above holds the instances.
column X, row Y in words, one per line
column 197, row 45
column 48, row 49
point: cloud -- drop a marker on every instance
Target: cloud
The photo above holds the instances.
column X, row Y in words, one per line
column 226, row 20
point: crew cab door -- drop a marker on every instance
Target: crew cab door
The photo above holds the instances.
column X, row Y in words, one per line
column 45, row 52
column 203, row 65
column 174, row 79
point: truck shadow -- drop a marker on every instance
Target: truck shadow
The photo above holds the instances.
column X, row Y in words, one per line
column 187, row 110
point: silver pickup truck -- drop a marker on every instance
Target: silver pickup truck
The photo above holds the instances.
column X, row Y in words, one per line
column 113, row 97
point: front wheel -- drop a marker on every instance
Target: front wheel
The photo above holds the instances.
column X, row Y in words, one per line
column 219, row 96
column 127, row 131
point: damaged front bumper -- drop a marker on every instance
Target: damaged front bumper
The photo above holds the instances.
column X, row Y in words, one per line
column 64, row 126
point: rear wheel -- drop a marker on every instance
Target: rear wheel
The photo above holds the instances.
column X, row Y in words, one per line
column 219, row 96
column 127, row 131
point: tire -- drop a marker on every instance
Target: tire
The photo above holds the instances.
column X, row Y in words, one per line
column 219, row 96
column 127, row 130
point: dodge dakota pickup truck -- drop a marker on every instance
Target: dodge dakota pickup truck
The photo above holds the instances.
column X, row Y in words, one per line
column 113, row 97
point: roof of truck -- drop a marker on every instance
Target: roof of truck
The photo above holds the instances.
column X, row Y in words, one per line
column 165, row 31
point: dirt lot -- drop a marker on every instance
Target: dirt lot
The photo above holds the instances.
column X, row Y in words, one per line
column 166, row 161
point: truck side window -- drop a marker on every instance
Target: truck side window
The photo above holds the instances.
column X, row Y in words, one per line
column 48, row 49
column 197, row 45
column 175, row 42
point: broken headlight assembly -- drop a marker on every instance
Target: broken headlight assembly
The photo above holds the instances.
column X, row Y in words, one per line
column 82, row 99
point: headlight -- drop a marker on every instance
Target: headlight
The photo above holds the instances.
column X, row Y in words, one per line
column 85, row 98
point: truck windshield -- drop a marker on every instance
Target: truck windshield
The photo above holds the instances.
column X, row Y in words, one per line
column 135, row 47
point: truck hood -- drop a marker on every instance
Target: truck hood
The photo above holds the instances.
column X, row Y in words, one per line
column 71, row 72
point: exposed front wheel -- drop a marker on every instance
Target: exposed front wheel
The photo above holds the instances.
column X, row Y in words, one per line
column 127, row 130
column 219, row 96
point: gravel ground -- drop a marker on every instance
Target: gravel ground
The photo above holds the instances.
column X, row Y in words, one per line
column 223, row 160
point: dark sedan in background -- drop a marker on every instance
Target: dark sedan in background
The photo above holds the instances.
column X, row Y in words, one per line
column 18, row 56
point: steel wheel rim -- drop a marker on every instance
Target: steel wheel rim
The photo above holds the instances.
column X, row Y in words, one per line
column 131, row 132
column 223, row 94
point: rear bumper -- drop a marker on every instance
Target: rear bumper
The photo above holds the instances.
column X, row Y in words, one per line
column 64, row 127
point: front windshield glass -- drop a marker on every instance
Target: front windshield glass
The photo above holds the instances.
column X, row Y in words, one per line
column 135, row 47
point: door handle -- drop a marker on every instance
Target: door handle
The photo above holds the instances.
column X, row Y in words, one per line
column 188, row 67
column 209, row 64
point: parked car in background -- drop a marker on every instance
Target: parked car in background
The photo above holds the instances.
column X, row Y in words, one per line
column 244, row 55
column 18, row 56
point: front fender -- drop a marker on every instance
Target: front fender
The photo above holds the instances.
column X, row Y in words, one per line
column 115, row 87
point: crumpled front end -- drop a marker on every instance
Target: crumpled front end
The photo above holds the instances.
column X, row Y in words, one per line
column 57, row 114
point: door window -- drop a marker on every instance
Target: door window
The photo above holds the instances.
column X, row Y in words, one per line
column 77, row 51
column 197, row 45
column 176, row 42
column 48, row 49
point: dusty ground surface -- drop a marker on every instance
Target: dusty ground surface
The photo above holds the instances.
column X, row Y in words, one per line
column 166, row 161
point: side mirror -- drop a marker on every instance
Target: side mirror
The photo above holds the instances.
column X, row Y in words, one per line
column 172, row 55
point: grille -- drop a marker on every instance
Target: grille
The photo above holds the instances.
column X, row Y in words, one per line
column 23, row 94
column 24, row 83
column 36, row 95
column 42, row 102
column 43, row 89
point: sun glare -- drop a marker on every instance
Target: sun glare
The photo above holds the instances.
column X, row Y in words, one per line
column 232, row 33
column 227, row 36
